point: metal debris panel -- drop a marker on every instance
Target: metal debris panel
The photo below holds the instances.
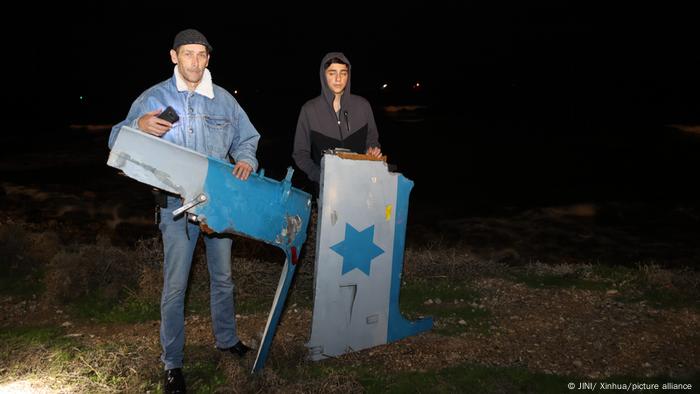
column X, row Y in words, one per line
column 261, row 208
column 362, row 216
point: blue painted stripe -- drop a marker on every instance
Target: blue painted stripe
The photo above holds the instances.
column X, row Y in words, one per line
column 397, row 326
column 275, row 314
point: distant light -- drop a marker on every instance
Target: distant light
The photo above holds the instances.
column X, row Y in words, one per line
column 82, row 98
column 235, row 92
column 417, row 84
column 386, row 85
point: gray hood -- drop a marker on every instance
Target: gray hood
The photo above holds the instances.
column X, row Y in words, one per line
column 326, row 92
column 320, row 128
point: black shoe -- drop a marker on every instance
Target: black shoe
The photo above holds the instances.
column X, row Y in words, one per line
column 238, row 349
column 174, row 381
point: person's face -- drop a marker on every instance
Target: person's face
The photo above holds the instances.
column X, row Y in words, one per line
column 191, row 60
column 337, row 77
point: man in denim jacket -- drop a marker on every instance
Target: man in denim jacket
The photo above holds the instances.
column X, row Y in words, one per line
column 213, row 123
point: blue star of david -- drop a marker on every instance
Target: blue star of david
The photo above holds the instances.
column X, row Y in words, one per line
column 358, row 249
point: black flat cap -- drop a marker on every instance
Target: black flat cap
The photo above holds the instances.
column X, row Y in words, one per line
column 191, row 36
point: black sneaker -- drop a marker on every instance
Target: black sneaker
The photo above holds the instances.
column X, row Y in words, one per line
column 238, row 349
column 174, row 382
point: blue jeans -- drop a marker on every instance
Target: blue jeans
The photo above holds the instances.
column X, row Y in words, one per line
column 178, row 251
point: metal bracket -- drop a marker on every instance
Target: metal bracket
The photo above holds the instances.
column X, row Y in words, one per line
column 196, row 201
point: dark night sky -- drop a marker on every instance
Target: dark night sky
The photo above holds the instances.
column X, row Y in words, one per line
column 546, row 103
column 573, row 59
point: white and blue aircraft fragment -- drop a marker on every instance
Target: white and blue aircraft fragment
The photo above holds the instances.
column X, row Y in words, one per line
column 363, row 209
column 260, row 208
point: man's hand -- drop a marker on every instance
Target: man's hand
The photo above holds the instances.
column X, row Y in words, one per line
column 152, row 124
column 374, row 151
column 242, row 170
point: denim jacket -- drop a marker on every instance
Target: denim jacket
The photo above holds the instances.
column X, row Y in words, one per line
column 215, row 126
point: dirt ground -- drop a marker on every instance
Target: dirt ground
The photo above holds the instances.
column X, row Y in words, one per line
column 560, row 331
column 520, row 292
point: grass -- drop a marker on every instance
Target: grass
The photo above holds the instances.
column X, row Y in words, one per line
column 475, row 378
column 203, row 376
column 129, row 361
column 131, row 309
column 662, row 297
column 553, row 281
column 614, row 274
column 463, row 378
column 253, row 304
column 451, row 302
column 648, row 283
column 49, row 357
column 17, row 337
column 20, row 283
column 20, row 270
column 20, row 347
column 656, row 286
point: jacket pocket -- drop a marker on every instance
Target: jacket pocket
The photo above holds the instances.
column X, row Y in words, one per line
column 219, row 132
column 217, row 122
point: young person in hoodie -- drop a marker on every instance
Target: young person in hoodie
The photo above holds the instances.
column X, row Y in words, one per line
column 213, row 123
column 334, row 119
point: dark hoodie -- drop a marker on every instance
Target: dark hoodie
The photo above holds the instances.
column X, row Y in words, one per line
column 320, row 128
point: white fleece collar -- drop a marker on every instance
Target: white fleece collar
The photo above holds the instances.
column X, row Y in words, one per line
column 205, row 87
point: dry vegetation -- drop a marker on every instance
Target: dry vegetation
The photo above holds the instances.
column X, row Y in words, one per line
column 83, row 317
